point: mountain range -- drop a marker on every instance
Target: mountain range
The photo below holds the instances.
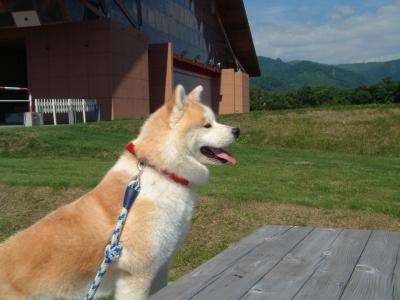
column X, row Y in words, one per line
column 278, row 75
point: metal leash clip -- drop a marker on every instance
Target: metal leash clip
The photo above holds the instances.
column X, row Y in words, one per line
column 140, row 165
column 133, row 188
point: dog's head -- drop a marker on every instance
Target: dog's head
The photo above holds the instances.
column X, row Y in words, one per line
column 200, row 133
column 184, row 135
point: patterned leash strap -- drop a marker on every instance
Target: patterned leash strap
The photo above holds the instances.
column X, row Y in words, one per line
column 114, row 248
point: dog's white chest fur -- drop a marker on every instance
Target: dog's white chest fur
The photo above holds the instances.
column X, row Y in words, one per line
column 172, row 209
column 174, row 206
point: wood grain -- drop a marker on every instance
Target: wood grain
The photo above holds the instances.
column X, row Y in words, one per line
column 289, row 276
column 207, row 273
column 373, row 275
column 286, row 262
column 239, row 278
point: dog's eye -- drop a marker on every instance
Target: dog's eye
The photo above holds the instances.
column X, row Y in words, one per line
column 208, row 125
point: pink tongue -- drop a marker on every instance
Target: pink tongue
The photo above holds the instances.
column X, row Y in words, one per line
column 224, row 155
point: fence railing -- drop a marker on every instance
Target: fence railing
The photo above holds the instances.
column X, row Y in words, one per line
column 17, row 88
column 69, row 106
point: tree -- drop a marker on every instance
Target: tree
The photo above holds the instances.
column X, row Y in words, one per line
column 361, row 95
column 397, row 93
column 390, row 85
column 258, row 98
column 385, row 91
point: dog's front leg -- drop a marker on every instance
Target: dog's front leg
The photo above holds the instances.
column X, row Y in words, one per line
column 133, row 287
column 160, row 280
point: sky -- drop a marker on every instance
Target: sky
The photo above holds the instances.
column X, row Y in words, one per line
column 326, row 31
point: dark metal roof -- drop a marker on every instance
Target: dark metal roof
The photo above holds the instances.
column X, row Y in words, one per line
column 234, row 19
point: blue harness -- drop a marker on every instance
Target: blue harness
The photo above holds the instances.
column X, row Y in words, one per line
column 114, row 248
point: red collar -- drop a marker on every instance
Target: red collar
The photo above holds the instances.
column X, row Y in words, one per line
column 131, row 148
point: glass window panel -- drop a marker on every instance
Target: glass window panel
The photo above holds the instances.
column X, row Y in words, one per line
column 18, row 5
column 6, row 20
column 50, row 11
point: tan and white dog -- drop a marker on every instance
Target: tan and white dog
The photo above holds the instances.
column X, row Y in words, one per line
column 57, row 257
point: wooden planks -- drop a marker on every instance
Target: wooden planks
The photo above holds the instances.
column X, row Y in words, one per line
column 329, row 280
column 396, row 277
column 283, row 262
column 205, row 274
column 238, row 279
column 373, row 275
column 289, row 276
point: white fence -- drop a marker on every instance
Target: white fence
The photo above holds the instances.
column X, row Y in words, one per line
column 69, row 106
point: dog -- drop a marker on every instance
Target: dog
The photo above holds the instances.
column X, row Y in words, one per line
column 57, row 257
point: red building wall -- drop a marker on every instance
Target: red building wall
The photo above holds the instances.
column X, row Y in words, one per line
column 114, row 64
column 98, row 59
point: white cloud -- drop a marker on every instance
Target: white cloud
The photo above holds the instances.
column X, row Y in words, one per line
column 350, row 38
column 341, row 11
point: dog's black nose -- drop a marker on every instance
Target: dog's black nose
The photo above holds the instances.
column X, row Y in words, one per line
column 236, row 132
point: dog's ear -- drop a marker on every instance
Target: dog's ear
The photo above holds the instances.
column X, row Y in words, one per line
column 196, row 93
column 177, row 104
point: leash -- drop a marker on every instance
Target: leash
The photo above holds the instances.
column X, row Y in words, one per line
column 114, row 248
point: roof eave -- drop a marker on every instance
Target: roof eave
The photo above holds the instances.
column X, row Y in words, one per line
column 234, row 19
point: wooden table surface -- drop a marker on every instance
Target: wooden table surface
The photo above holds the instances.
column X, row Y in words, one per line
column 290, row 262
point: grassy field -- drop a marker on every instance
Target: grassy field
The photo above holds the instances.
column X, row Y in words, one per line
column 322, row 167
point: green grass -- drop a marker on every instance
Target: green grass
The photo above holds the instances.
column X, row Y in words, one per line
column 52, row 172
column 316, row 179
column 373, row 130
column 103, row 140
column 319, row 158
column 322, row 167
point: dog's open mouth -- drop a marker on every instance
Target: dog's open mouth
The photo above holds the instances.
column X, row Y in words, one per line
column 218, row 154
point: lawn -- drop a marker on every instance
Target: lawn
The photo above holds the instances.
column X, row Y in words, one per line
column 321, row 167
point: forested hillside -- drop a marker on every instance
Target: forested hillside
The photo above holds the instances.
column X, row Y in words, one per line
column 375, row 71
column 278, row 75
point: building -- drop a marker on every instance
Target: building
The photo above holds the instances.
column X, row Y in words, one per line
column 128, row 54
